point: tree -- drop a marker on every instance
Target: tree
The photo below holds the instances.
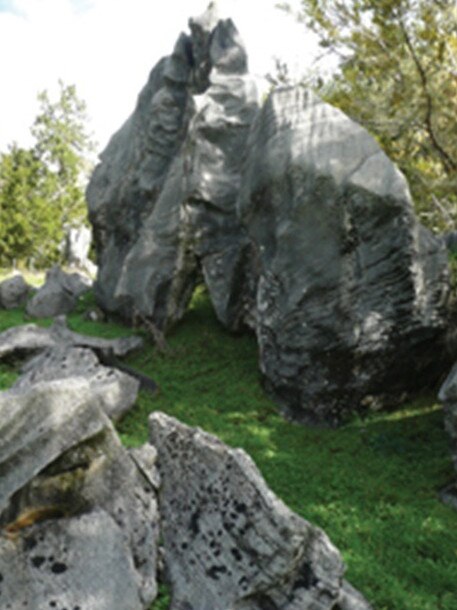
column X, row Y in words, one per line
column 64, row 147
column 398, row 77
column 42, row 188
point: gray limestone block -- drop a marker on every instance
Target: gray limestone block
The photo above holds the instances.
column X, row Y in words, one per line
column 194, row 223
column 30, row 339
column 61, row 457
column 163, row 199
column 14, row 292
column 351, row 286
column 116, row 484
column 25, row 339
column 117, row 389
column 38, row 425
column 229, row 541
column 80, row 562
column 59, row 294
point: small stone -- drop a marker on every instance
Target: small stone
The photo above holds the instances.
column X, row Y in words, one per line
column 14, row 292
column 59, row 294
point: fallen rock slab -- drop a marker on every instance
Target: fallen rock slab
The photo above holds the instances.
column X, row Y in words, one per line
column 118, row 391
column 14, row 292
column 59, row 294
column 64, row 478
column 30, row 338
column 229, row 541
column 38, row 425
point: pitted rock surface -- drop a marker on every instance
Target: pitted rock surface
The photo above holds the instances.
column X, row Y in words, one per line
column 229, row 541
column 14, row 292
column 79, row 562
column 60, row 458
column 30, row 338
column 117, row 390
column 163, row 199
column 351, row 286
column 59, row 294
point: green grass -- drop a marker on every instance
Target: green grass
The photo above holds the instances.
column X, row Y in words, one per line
column 372, row 485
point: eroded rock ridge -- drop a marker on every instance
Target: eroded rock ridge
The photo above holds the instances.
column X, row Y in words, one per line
column 300, row 226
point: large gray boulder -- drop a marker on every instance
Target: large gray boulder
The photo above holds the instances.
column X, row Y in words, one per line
column 59, row 294
column 79, row 517
column 352, row 294
column 229, row 542
column 117, row 389
column 14, row 292
column 162, row 200
column 297, row 222
column 30, row 339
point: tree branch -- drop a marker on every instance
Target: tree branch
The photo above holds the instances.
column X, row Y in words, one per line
column 449, row 165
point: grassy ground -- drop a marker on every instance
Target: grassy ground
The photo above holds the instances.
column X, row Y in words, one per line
column 371, row 485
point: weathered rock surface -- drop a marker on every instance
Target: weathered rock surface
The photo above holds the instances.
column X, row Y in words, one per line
column 351, row 286
column 59, row 294
column 448, row 397
column 162, row 201
column 30, row 338
column 229, row 542
column 118, row 391
column 79, row 518
column 297, row 221
column 74, row 563
column 14, row 292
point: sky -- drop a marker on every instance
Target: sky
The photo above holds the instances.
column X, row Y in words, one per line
column 108, row 47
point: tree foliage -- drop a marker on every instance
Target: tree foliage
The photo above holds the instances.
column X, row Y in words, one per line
column 42, row 188
column 398, row 77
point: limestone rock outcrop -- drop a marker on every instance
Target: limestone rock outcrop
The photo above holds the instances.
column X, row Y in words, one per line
column 14, row 292
column 59, row 294
column 352, row 288
column 298, row 223
column 78, row 518
column 229, row 541
column 162, row 201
